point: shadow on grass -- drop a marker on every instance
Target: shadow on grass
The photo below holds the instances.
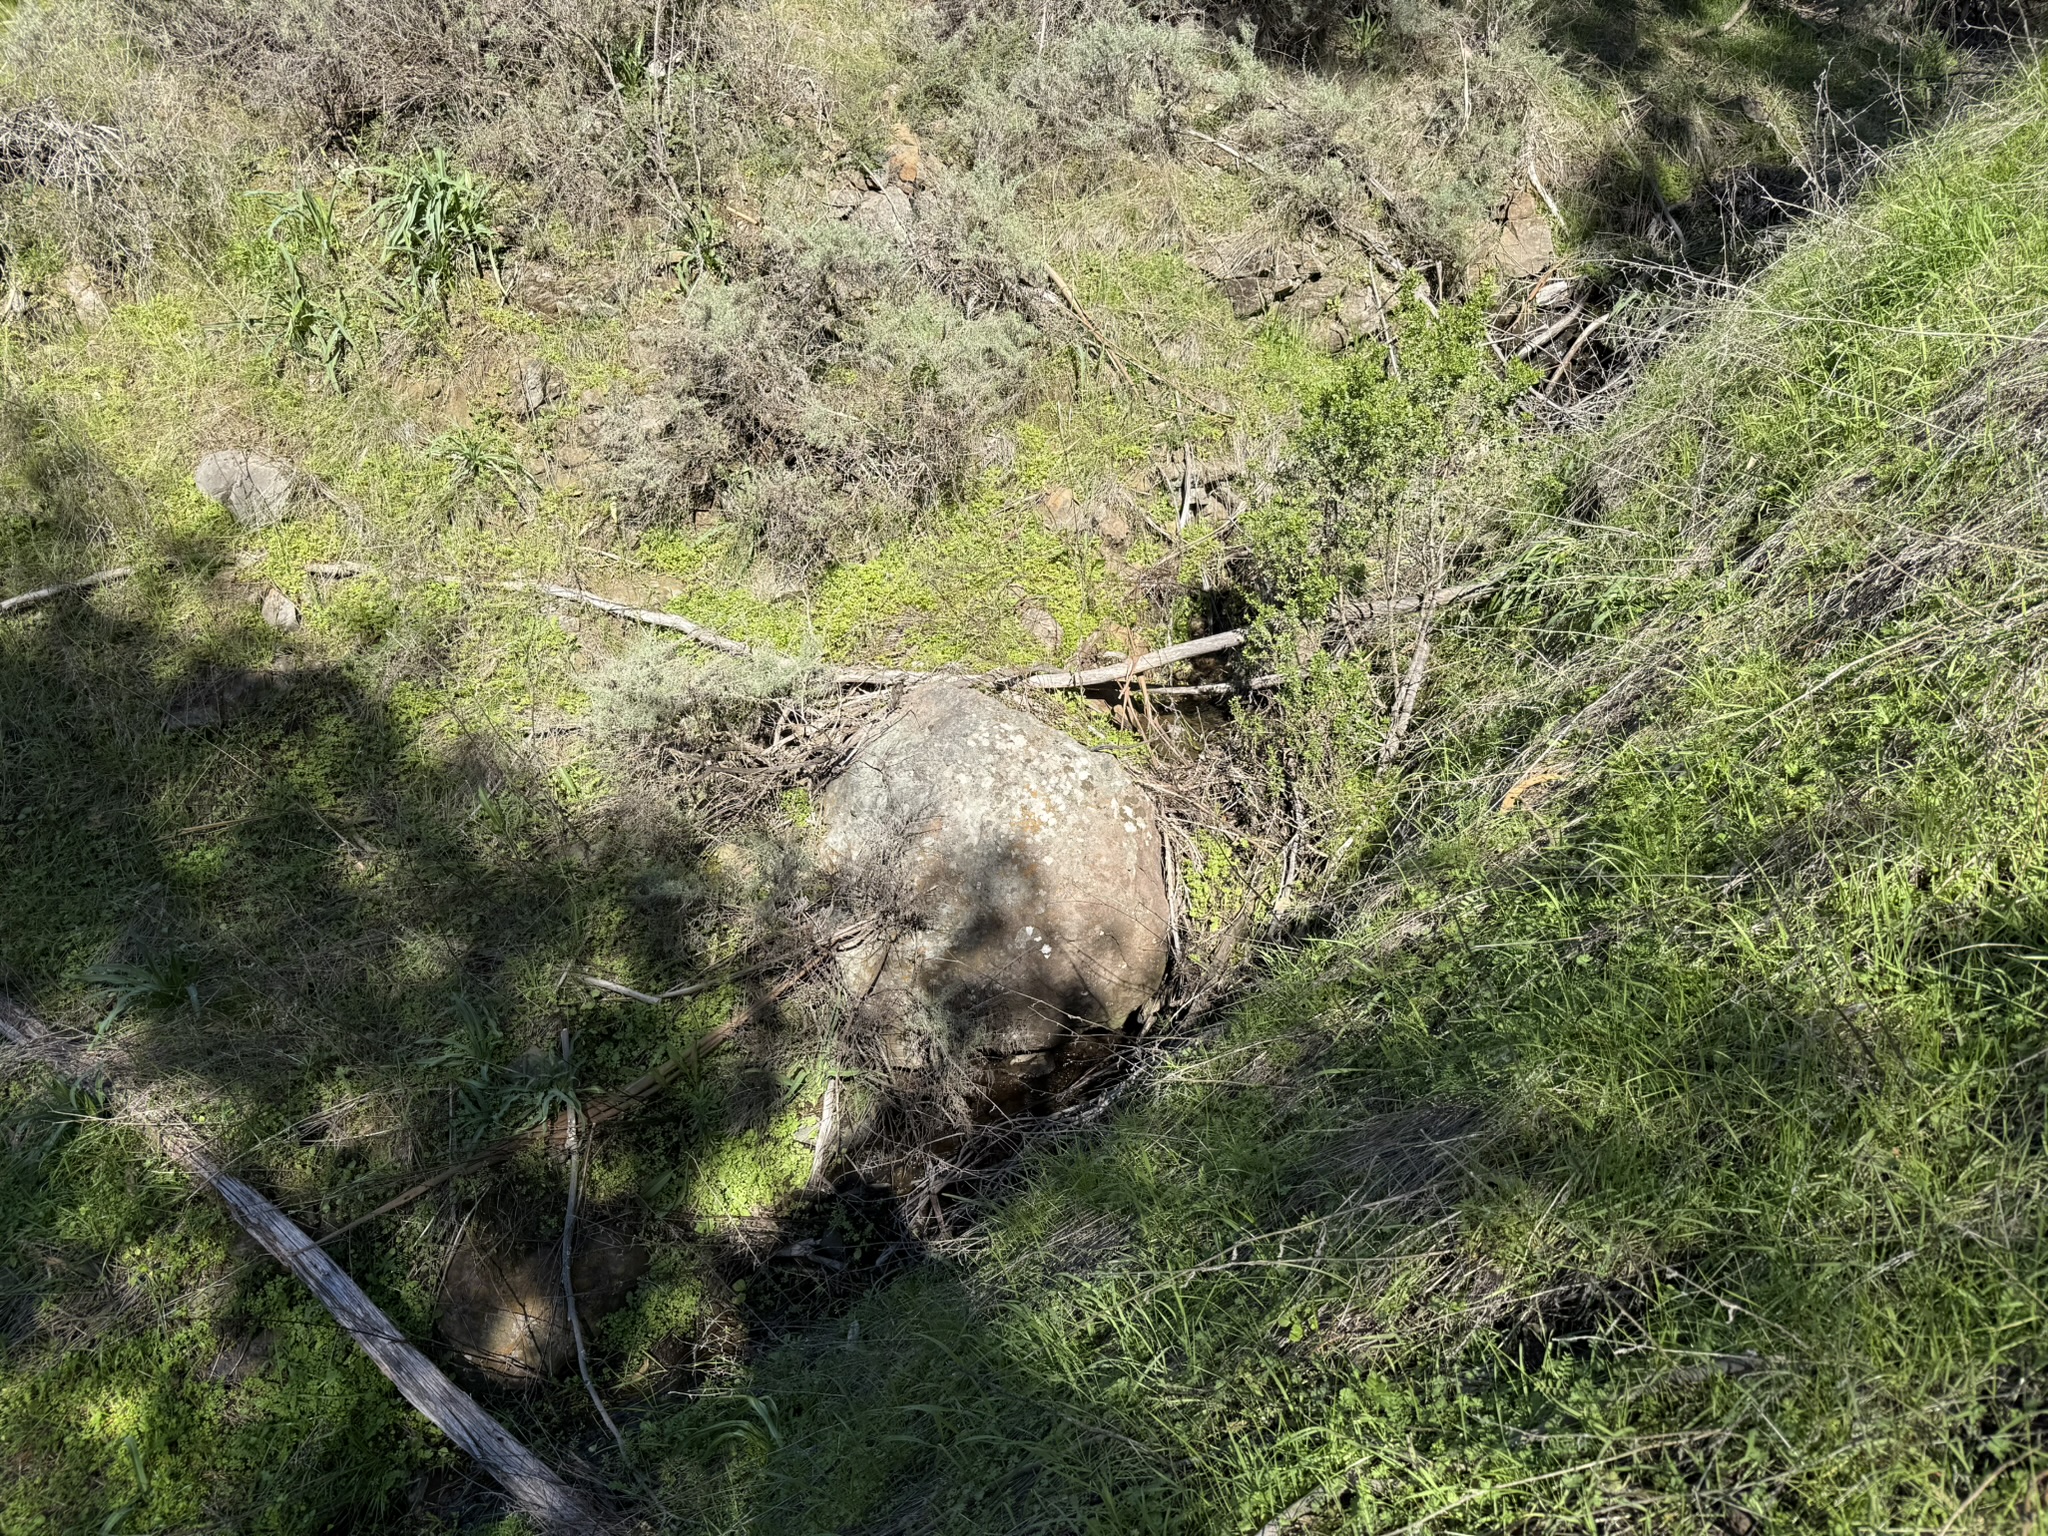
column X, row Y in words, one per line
column 348, row 938
column 1595, row 1175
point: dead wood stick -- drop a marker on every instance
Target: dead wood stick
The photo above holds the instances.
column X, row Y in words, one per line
column 533, row 1486
column 340, row 570
column 1404, row 701
column 26, row 600
column 1362, row 611
column 693, row 989
column 1572, row 351
column 1548, row 332
column 1110, row 350
column 1116, row 672
column 654, row 617
column 1092, row 677
column 1257, row 684
column 569, row 1277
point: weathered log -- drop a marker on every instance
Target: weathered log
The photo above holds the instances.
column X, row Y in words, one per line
column 534, row 1488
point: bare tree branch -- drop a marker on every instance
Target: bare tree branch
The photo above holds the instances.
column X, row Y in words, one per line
column 534, row 1488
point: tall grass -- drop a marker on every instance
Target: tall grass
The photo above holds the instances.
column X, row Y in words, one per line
column 1665, row 1153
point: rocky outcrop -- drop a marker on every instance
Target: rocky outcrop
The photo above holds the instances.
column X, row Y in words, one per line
column 1023, row 880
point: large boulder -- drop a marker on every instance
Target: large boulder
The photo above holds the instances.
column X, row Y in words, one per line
column 1024, row 881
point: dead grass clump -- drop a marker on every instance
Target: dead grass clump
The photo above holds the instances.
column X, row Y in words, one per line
column 536, row 94
column 39, row 144
column 103, row 162
column 847, row 413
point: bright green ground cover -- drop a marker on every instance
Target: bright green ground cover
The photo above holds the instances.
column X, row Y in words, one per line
column 1659, row 1150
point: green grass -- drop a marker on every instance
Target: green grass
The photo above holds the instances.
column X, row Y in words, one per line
column 1663, row 1155
column 1666, row 1147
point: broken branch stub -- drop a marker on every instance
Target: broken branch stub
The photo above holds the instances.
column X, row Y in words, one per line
column 534, row 1488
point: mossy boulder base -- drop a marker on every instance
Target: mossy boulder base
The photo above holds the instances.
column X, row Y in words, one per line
column 1026, row 885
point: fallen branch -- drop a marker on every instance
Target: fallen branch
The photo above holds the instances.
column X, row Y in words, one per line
column 1257, row 684
column 1110, row 350
column 1404, row 701
column 651, row 616
column 1365, row 610
column 569, row 1278
column 693, row 989
column 27, row 600
column 1572, row 351
column 1548, row 333
column 1119, row 671
column 533, row 1487
column 882, row 677
column 1543, row 192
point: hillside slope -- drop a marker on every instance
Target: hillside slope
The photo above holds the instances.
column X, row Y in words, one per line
column 1656, row 1141
column 1602, row 1089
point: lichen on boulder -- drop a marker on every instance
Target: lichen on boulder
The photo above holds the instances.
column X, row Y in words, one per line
column 1023, row 881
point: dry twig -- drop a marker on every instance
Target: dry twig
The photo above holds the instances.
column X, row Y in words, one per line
column 28, row 600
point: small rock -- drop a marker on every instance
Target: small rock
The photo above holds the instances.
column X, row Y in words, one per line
column 1359, row 313
column 257, row 490
column 906, row 158
column 1527, row 248
column 502, row 1310
column 1042, row 627
column 1062, row 513
column 279, row 611
column 888, row 213
column 242, row 1358
column 533, row 389
column 85, row 299
column 1112, row 519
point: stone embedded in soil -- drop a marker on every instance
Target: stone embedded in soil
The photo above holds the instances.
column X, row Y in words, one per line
column 257, row 490
column 1028, row 873
column 502, row 1310
column 279, row 611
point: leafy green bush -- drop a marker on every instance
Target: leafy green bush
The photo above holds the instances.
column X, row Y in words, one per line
column 436, row 222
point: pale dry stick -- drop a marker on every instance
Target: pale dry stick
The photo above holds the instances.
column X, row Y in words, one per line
column 27, row 600
column 1404, row 701
column 1307, row 1504
column 1092, row 677
column 532, row 1485
column 658, row 620
column 1122, row 364
column 1544, row 193
column 1116, row 672
column 828, row 1133
column 693, row 989
column 1977, row 1492
column 568, row 1277
column 1549, row 332
column 1359, row 612
column 1571, row 352
column 339, row 570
